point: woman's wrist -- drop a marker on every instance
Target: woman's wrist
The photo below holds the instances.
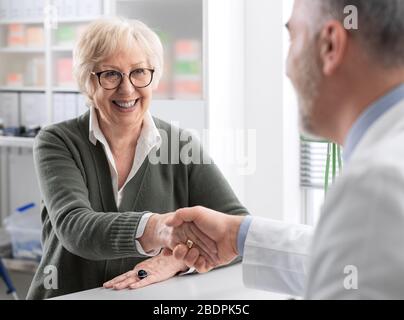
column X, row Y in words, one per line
column 150, row 240
column 162, row 234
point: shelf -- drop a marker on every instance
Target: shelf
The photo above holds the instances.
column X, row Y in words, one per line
column 62, row 48
column 20, row 265
column 41, row 21
column 78, row 19
column 65, row 89
column 24, row 21
column 22, row 88
column 16, row 142
column 177, row 102
column 22, row 50
column 38, row 89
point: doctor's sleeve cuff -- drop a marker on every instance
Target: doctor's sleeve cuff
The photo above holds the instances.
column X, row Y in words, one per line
column 139, row 233
column 242, row 234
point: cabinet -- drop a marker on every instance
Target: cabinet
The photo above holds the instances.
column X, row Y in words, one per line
column 36, row 43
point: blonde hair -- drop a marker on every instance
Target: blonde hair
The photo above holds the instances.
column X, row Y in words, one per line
column 102, row 38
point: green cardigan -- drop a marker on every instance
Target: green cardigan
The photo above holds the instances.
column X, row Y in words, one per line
column 86, row 239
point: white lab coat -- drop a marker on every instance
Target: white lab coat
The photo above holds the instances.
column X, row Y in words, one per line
column 358, row 247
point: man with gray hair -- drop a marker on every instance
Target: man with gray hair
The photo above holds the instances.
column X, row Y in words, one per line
column 381, row 26
column 350, row 86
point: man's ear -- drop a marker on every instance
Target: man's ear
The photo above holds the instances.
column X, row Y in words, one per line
column 333, row 43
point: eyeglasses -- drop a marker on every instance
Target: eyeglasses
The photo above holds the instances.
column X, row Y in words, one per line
column 112, row 79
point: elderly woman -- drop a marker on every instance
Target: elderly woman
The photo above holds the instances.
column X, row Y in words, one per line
column 104, row 201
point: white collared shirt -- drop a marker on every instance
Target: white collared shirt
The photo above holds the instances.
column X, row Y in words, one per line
column 149, row 138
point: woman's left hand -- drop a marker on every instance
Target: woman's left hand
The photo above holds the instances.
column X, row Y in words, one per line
column 158, row 268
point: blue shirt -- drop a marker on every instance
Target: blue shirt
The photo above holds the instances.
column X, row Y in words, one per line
column 361, row 125
column 242, row 234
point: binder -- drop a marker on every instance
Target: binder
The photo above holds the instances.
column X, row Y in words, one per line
column 9, row 109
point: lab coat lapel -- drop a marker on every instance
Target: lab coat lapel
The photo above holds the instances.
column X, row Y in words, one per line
column 386, row 126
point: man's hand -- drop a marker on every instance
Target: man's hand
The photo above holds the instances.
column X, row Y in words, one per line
column 159, row 235
column 221, row 228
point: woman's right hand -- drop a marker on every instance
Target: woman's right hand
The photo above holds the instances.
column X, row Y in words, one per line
column 158, row 235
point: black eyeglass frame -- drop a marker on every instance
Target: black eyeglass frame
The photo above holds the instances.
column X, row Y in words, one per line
column 98, row 74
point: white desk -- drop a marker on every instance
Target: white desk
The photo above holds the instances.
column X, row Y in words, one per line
column 225, row 283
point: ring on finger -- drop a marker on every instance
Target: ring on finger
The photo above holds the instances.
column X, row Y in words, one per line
column 142, row 274
column 190, row 243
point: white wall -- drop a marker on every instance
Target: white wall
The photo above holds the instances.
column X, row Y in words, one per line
column 291, row 139
column 247, row 89
column 273, row 190
column 225, row 84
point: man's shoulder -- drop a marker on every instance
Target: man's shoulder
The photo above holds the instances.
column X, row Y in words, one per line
column 360, row 226
column 386, row 153
column 367, row 196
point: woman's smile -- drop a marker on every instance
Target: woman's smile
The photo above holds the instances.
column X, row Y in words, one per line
column 126, row 105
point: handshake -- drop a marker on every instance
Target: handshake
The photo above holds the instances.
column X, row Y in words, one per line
column 191, row 237
column 200, row 237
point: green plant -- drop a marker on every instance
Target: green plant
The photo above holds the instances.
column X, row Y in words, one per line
column 333, row 160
